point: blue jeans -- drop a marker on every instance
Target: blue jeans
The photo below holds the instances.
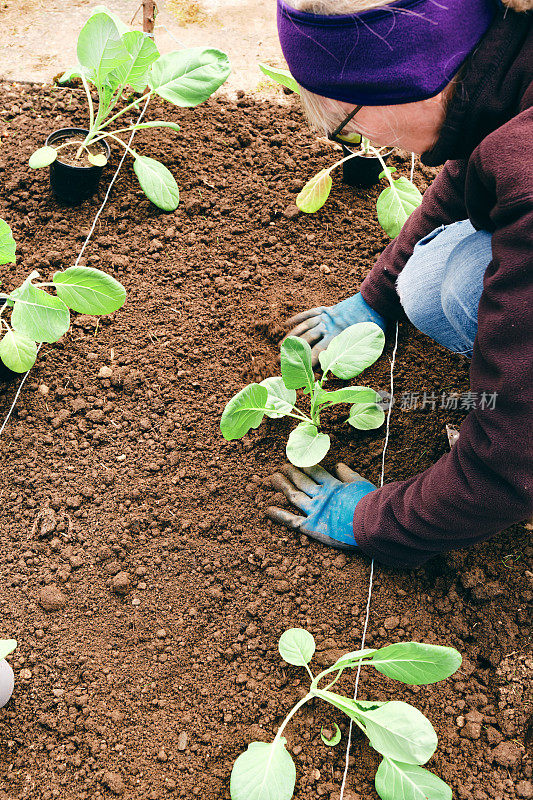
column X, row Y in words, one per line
column 440, row 286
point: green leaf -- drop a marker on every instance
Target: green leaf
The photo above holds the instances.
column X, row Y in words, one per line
column 349, row 707
column 38, row 315
column 42, row 157
column 399, row 731
column 73, row 72
column 157, row 182
column 315, row 192
column 244, row 411
column 296, row 363
column 282, row 76
column 8, row 245
column 353, row 659
column 121, row 26
column 351, row 394
column 395, row 204
column 366, row 416
column 6, row 647
column 306, row 446
column 98, row 160
column 143, row 53
column 398, row 781
column 389, row 170
column 100, row 48
column 335, row 739
column 188, row 77
column 416, row 663
column 157, row 123
column 263, row 772
column 356, row 348
column 17, row 351
column 89, row 291
column 297, row 646
column 280, row 399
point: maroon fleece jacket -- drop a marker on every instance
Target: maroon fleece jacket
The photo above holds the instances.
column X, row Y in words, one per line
column 485, row 483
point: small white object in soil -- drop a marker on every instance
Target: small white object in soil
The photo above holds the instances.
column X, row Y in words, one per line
column 7, row 682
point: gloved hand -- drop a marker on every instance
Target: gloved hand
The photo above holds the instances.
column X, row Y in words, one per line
column 318, row 326
column 328, row 503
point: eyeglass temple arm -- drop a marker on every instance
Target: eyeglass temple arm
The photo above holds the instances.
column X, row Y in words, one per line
column 343, row 124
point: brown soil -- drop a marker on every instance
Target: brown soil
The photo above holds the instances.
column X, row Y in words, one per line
column 161, row 663
column 69, row 153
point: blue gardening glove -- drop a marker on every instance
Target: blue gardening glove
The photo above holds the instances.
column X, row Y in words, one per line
column 318, row 326
column 328, row 503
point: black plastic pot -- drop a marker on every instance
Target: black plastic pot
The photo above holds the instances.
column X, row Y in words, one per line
column 73, row 185
column 7, row 375
column 362, row 170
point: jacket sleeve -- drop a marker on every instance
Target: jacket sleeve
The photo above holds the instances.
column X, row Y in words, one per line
column 442, row 204
column 485, row 483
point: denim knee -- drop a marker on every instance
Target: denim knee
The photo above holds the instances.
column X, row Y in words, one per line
column 419, row 285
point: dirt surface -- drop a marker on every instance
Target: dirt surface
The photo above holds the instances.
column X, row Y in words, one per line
column 38, row 37
column 139, row 574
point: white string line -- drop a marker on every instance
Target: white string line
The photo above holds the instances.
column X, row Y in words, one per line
column 371, row 578
column 84, row 245
column 412, row 167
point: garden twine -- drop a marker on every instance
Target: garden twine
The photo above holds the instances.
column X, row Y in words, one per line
column 371, row 577
column 84, row 245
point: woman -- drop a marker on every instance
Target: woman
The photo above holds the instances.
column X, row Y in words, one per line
column 451, row 80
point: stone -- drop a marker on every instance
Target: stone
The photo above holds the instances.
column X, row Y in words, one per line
column 182, row 741
column 390, row 623
column 507, row 754
column 291, row 212
column 105, row 372
column 121, row 583
column 524, row 789
column 113, row 781
column 51, row 598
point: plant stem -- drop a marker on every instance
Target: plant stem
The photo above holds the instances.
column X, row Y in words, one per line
column 116, row 138
column 89, row 100
column 131, row 105
column 289, row 716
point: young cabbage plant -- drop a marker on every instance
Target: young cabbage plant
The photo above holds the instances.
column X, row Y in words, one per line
column 347, row 355
column 394, row 204
column 114, row 59
column 397, row 730
column 38, row 316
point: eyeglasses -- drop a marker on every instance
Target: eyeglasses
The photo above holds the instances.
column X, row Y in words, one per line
column 336, row 135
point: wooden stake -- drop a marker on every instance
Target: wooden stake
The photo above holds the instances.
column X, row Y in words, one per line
column 149, row 9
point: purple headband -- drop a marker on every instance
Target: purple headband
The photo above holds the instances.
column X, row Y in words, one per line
column 399, row 53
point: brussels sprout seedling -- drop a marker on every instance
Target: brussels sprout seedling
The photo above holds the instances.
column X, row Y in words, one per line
column 347, row 355
column 38, row 316
column 112, row 57
column 397, row 730
column 394, row 204
column 7, row 679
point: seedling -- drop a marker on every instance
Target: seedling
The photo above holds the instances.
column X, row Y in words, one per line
column 394, row 204
column 348, row 354
column 397, row 730
column 38, row 316
column 112, row 58
column 7, row 679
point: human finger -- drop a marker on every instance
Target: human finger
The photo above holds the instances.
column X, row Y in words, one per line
column 320, row 475
column 317, row 349
column 297, row 498
column 285, row 517
column 347, row 475
column 303, row 315
column 304, row 326
column 301, row 480
column 314, row 335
